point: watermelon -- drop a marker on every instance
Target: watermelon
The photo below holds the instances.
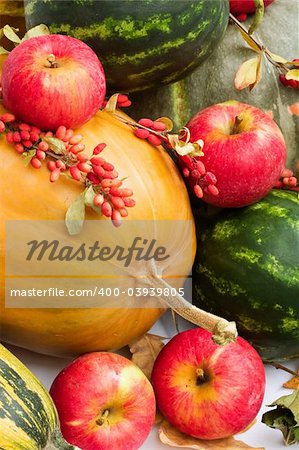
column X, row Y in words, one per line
column 141, row 44
column 247, row 270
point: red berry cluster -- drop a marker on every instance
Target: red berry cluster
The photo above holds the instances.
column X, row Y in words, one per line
column 289, row 83
column 123, row 101
column 144, row 131
column 201, row 180
column 64, row 151
column 287, row 180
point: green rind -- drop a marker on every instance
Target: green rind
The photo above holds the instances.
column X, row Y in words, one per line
column 140, row 43
column 247, row 270
column 28, row 418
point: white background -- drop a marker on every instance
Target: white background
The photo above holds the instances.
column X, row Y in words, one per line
column 46, row 368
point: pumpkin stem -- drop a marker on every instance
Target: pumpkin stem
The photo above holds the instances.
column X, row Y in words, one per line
column 223, row 331
column 56, row 442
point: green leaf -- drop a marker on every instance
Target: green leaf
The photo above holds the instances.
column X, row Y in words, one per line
column 56, row 145
column 89, row 196
column 75, row 215
column 27, row 157
column 9, row 32
column 285, row 417
column 39, row 30
column 3, row 51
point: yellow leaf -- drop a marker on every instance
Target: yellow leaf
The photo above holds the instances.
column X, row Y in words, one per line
column 248, row 426
column 277, row 58
column 250, row 41
column 294, row 109
column 10, row 33
column 293, row 75
column 249, row 73
column 171, row 436
column 181, row 144
column 112, row 103
column 167, row 122
column 293, row 383
column 145, row 351
column 3, row 51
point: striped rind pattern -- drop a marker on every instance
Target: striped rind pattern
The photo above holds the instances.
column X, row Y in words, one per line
column 141, row 44
column 247, row 270
column 27, row 414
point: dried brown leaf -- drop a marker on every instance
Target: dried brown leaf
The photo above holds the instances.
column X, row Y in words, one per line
column 293, row 383
column 249, row 73
column 250, row 41
column 145, row 351
column 171, row 436
column 159, row 418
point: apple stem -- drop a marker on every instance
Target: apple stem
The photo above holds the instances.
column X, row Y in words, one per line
column 56, row 442
column 236, row 124
column 52, row 63
column 223, row 331
column 104, row 418
column 201, row 377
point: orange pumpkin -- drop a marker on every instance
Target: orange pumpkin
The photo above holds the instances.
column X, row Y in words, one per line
column 26, row 194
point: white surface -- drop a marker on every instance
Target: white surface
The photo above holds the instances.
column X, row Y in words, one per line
column 46, row 368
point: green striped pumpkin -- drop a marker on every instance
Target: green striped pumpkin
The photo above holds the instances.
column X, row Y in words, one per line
column 247, row 270
column 140, row 43
column 28, row 417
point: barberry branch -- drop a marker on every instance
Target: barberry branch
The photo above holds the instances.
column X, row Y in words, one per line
column 64, row 154
column 287, row 74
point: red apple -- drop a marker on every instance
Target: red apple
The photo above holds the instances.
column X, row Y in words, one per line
column 104, row 402
column 243, row 148
column 53, row 80
column 245, row 6
column 205, row 390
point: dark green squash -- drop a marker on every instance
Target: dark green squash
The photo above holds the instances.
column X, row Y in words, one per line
column 140, row 43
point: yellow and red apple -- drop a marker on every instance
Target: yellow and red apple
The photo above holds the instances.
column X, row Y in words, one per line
column 104, row 402
column 53, row 80
column 206, row 390
column 243, row 148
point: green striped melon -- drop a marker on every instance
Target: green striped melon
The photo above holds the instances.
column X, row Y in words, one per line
column 140, row 43
column 28, row 417
column 247, row 270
